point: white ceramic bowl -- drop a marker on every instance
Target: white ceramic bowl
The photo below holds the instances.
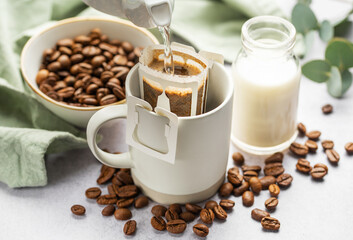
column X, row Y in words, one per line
column 31, row 56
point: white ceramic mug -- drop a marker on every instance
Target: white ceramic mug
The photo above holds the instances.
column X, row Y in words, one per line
column 202, row 145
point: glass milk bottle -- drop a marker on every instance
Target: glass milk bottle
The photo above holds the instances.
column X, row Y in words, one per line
column 267, row 75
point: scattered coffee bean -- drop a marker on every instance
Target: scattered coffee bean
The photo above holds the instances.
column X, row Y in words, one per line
column 207, row 216
column 106, row 199
column 141, row 202
column 238, row 158
column 158, row 223
column 327, row 144
column 176, row 226
column 321, row 165
column 176, row 207
column 106, row 175
column 271, row 203
column 349, row 147
column 93, row 192
column 249, row 174
column 130, row 227
column 312, row 146
column 220, row 213
column 125, row 202
column 255, row 168
column 270, row 223
column 200, row 230
column 284, row 180
column 255, row 185
column 187, row 216
column 111, row 190
column 235, row 178
column 303, row 165
column 332, row 156
column 267, row 181
column 326, row 109
column 274, row 190
column 193, row 208
column 108, row 210
column 124, row 177
column 170, row 214
column 226, row 189
column 122, row 214
column 274, row 158
column 227, row 204
column 78, row 210
column 158, row 210
column 241, row 189
column 248, row 198
column 273, row 169
column 258, row 214
column 299, row 149
column 313, row 135
column 127, row 191
column 301, row 128
column 318, row 173
column 210, row 204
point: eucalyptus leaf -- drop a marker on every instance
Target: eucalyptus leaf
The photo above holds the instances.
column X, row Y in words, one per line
column 306, row 2
column 326, row 31
column 339, row 53
column 303, row 18
column 346, row 81
column 317, row 70
column 309, row 39
column 334, row 83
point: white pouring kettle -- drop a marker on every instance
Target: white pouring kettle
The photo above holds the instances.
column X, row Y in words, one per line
column 143, row 13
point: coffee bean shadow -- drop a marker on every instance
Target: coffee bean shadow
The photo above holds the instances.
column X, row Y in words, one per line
column 285, row 188
column 178, row 235
column 270, row 231
column 76, row 217
column 335, row 165
column 313, row 180
column 302, row 173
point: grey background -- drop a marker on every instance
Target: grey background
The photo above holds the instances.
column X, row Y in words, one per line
column 307, row 210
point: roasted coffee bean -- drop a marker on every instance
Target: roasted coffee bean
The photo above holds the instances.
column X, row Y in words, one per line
column 106, row 175
column 299, row 149
column 59, row 85
column 120, row 60
column 158, row 223
column 322, row 166
column 127, row 46
column 193, row 208
column 92, row 88
column 326, row 109
column 313, row 135
column 76, row 58
column 65, row 50
column 176, row 226
column 107, row 199
column 312, row 146
column 130, row 227
column 274, row 190
column 235, row 178
column 274, row 158
column 64, row 61
column 67, row 92
column 141, row 202
column 122, row 214
column 42, row 76
column 284, row 180
column 170, row 214
column 238, row 158
column 248, row 198
column 270, row 223
column 124, row 178
column 108, row 210
column 127, row 191
column 210, row 204
column 45, row 88
column 67, row 42
column 226, row 189
column 125, row 202
column 254, row 168
column 176, row 207
column 318, row 172
column 241, row 189
column 258, row 214
column 119, row 93
column 267, row 181
column 91, row 51
column 78, row 210
column 271, row 203
column 93, row 192
column 273, row 169
column 54, row 66
column 227, row 204
column 233, row 170
column 108, row 47
column 54, row 56
column 301, row 128
column 187, row 216
column 70, row 80
column 207, row 216
column 303, row 165
column 220, row 213
column 249, row 174
column 255, row 185
column 54, row 96
column 327, row 144
column 200, row 230
column 109, row 99
column 349, row 147
column 332, row 156
column 158, row 210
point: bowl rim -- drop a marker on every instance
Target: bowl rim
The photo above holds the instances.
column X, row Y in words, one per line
column 68, row 21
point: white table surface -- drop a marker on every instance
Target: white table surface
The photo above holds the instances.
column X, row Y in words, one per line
column 307, row 210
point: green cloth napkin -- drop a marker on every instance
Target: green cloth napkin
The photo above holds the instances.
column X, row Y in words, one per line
column 28, row 130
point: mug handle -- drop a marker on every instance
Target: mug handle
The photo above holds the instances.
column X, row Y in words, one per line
column 122, row 160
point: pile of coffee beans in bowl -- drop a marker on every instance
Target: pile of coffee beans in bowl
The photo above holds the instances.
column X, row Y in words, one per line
column 88, row 70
